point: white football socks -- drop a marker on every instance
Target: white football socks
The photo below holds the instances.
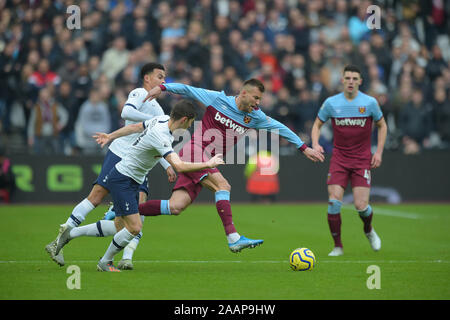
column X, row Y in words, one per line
column 119, row 241
column 233, row 237
column 129, row 249
column 80, row 212
column 101, row 228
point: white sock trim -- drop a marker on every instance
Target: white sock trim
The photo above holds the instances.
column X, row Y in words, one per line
column 233, row 237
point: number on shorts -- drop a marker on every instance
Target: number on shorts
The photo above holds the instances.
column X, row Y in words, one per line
column 367, row 175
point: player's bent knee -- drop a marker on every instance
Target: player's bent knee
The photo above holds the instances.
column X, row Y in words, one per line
column 135, row 232
column 176, row 210
column 135, row 229
column 361, row 205
column 225, row 186
column 134, row 226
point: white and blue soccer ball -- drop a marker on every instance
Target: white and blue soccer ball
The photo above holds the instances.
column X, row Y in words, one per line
column 302, row 259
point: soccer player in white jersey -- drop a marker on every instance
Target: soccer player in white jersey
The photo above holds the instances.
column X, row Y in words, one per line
column 134, row 111
column 124, row 179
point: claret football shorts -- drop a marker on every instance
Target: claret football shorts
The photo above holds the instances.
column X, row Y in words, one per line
column 191, row 181
column 341, row 175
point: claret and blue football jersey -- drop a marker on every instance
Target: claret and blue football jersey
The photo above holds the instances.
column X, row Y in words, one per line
column 352, row 123
column 223, row 123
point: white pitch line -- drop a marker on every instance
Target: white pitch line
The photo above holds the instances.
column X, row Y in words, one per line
column 392, row 213
column 399, row 214
column 233, row 261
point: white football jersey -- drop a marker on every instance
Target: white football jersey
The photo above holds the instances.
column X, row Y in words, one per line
column 121, row 145
column 147, row 149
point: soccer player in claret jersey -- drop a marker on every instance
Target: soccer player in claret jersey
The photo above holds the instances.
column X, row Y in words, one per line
column 227, row 118
column 134, row 111
column 352, row 114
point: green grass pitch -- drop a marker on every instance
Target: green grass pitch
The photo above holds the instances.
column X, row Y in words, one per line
column 187, row 258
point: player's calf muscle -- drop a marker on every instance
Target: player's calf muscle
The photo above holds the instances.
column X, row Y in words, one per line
column 97, row 194
column 133, row 224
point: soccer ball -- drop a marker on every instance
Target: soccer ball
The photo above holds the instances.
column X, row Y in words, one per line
column 302, row 259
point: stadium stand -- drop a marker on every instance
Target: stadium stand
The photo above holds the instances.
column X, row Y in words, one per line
column 298, row 48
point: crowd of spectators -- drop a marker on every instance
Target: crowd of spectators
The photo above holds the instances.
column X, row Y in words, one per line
column 59, row 84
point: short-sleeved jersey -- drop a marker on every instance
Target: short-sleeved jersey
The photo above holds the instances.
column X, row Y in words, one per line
column 223, row 124
column 152, row 108
column 352, row 123
column 147, row 149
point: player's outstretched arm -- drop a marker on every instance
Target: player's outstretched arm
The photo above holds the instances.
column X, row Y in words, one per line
column 315, row 135
column 153, row 93
column 382, row 133
column 205, row 96
column 132, row 114
column 105, row 138
column 272, row 124
column 182, row 166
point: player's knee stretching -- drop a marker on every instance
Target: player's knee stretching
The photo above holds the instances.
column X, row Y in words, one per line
column 135, row 228
column 361, row 205
column 176, row 211
column 334, row 206
column 173, row 208
column 367, row 211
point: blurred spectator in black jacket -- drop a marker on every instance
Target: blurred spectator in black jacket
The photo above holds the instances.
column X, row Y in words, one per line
column 436, row 64
column 416, row 121
column 441, row 106
column 68, row 101
column 307, row 111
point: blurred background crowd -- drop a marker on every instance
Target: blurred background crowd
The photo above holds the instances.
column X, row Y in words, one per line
column 58, row 85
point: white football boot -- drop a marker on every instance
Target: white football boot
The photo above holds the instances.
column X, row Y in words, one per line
column 51, row 249
column 125, row 264
column 337, row 251
column 63, row 237
column 374, row 239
